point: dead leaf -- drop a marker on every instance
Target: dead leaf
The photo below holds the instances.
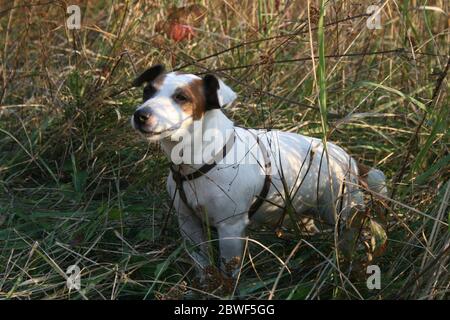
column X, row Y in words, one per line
column 181, row 22
column 378, row 240
column 179, row 32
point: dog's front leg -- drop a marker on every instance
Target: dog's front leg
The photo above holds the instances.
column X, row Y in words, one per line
column 231, row 244
column 192, row 231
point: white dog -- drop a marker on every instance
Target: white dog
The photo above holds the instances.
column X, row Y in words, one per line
column 227, row 177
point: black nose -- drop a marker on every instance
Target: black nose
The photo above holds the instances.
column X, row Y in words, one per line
column 142, row 115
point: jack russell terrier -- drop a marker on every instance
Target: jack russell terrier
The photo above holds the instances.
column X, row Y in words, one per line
column 228, row 177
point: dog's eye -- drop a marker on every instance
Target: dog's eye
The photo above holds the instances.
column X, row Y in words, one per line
column 181, row 97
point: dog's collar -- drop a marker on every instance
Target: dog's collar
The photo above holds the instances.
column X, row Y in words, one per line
column 179, row 177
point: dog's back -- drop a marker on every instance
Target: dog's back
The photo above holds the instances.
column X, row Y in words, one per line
column 319, row 183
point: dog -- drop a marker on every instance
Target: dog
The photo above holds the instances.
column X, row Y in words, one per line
column 245, row 176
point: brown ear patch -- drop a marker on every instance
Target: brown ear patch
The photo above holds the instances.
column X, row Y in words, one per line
column 196, row 106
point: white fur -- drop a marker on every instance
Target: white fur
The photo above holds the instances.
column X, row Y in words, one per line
column 376, row 181
column 225, row 94
column 225, row 194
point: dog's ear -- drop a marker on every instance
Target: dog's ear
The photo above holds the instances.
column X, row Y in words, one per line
column 217, row 93
column 149, row 75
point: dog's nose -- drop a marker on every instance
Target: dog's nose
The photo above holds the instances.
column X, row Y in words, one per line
column 141, row 116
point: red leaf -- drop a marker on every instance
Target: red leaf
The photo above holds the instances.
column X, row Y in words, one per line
column 179, row 32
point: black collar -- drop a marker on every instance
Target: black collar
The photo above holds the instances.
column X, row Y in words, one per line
column 179, row 177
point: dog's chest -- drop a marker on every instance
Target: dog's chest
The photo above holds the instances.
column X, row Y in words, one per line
column 227, row 191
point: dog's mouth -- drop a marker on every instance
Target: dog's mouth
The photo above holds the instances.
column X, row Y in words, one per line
column 151, row 133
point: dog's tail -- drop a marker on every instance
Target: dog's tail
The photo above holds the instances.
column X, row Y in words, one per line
column 374, row 178
column 374, row 181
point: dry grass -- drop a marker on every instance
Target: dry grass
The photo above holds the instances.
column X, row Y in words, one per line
column 78, row 187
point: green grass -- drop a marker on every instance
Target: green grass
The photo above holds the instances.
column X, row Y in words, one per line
column 77, row 186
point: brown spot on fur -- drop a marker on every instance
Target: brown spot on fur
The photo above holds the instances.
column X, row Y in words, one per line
column 196, row 105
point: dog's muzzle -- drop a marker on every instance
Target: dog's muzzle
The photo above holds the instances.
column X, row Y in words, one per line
column 142, row 120
column 142, row 117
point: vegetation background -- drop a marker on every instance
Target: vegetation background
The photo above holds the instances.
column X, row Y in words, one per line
column 78, row 186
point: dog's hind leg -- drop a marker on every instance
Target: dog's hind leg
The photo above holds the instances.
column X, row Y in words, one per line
column 351, row 211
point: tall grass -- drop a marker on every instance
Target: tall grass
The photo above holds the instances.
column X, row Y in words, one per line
column 77, row 186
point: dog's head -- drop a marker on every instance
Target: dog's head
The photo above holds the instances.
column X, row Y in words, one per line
column 173, row 101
